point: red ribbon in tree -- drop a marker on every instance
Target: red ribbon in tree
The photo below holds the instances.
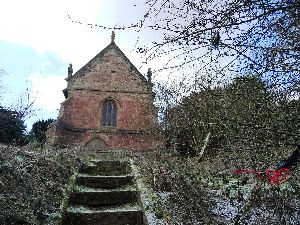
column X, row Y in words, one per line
column 272, row 176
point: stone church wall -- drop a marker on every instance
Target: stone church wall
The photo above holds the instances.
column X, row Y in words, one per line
column 109, row 75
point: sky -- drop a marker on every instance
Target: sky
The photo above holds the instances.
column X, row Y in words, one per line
column 38, row 41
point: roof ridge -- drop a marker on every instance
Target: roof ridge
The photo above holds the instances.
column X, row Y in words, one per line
column 88, row 65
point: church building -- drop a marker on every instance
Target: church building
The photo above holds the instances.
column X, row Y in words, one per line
column 108, row 105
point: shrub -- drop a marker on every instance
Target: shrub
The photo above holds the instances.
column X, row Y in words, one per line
column 12, row 128
column 39, row 129
column 33, row 184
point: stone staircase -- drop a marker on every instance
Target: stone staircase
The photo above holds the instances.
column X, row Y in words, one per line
column 104, row 193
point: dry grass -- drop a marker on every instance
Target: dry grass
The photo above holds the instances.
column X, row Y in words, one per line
column 32, row 183
column 207, row 192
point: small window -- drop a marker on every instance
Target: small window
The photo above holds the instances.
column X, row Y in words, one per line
column 109, row 113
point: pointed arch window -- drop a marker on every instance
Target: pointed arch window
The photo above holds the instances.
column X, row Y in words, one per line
column 109, row 113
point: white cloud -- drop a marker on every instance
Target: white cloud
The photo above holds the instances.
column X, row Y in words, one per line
column 48, row 91
column 45, row 26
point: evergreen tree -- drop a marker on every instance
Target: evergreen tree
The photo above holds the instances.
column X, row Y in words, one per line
column 12, row 128
column 39, row 129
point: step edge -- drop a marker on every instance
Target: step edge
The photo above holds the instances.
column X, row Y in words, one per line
column 134, row 206
column 83, row 175
column 134, row 191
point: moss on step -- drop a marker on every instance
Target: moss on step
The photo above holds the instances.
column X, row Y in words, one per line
column 108, row 176
column 123, row 207
column 80, row 188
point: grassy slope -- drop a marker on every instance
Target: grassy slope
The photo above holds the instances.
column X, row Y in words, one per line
column 33, row 183
column 207, row 192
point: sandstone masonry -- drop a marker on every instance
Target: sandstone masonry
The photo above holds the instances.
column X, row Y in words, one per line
column 108, row 77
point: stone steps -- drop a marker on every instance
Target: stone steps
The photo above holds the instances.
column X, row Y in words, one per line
column 105, row 218
column 103, row 198
column 104, row 181
column 107, row 167
column 104, row 194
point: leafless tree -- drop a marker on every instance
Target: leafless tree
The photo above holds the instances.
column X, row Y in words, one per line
column 251, row 35
column 225, row 38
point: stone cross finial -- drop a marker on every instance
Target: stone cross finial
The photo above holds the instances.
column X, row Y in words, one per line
column 113, row 36
column 70, row 70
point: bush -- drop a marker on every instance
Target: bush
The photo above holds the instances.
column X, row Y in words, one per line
column 33, row 184
column 12, row 128
column 189, row 192
column 39, row 129
column 246, row 114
